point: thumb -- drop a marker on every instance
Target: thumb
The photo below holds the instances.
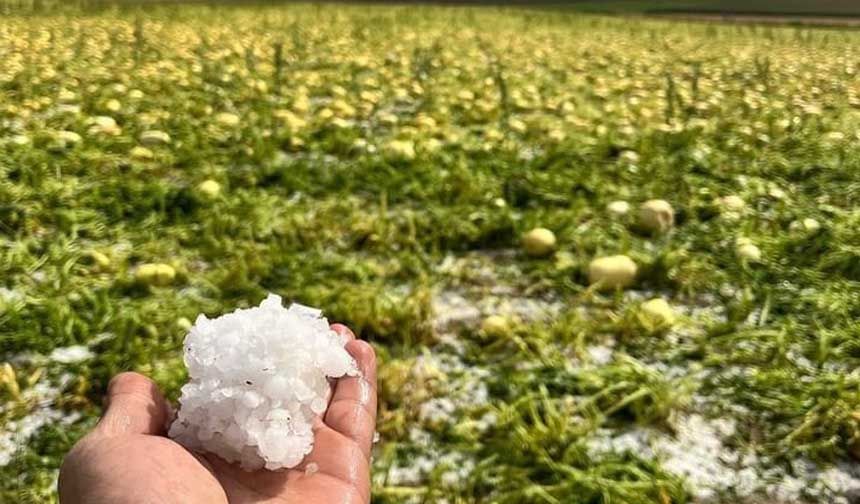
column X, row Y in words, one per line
column 134, row 406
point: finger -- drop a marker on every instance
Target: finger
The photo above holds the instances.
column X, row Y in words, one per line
column 338, row 456
column 352, row 410
column 134, row 406
column 343, row 331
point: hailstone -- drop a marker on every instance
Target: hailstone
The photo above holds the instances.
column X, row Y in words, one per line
column 258, row 379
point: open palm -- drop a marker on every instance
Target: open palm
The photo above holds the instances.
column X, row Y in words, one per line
column 127, row 458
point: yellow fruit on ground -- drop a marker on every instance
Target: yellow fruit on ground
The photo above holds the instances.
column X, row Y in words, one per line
column 209, row 189
column 656, row 216
column 495, row 326
column 113, row 105
column 68, row 138
column 154, row 137
column 104, row 125
column 9, row 380
column 629, row 156
column 539, row 242
column 612, row 272
column 618, row 208
column 807, row 225
column 292, row 121
column 227, row 119
column 99, row 259
column 141, row 153
column 749, row 252
column 657, row 313
column 400, row 149
column 731, row 203
column 517, row 125
column 155, row 274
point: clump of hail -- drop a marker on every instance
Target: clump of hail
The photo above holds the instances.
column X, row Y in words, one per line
column 258, row 378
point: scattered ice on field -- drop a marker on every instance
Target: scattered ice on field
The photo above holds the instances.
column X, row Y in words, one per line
column 704, row 307
column 453, row 309
column 698, row 454
column 450, row 343
column 412, row 474
column 529, row 153
column 634, row 441
column 101, row 338
column 465, row 388
column 420, row 437
column 258, row 379
column 463, row 396
column 713, row 470
column 485, row 422
column 416, row 471
column 700, row 450
column 796, row 357
column 71, row 354
column 842, row 481
column 437, row 410
column 599, row 354
column 16, row 433
column 9, row 295
column 459, row 471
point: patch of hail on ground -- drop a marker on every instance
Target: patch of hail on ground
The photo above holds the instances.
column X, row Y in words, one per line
column 456, row 466
column 704, row 307
column 487, row 268
column 600, row 355
column 714, row 471
column 529, row 153
column 455, row 309
column 452, row 309
column 841, row 480
column 9, row 295
column 71, row 354
column 698, row 451
column 465, row 395
column 699, row 313
column 465, row 388
column 15, row 434
column 477, row 288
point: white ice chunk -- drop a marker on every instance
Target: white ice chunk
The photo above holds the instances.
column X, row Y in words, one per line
column 258, row 378
column 71, row 354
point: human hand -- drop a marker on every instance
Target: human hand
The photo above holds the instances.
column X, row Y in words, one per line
column 127, row 459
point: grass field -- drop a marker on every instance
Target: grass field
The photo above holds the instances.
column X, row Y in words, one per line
column 384, row 164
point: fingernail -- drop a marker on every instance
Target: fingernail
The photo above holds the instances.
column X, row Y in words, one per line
column 343, row 330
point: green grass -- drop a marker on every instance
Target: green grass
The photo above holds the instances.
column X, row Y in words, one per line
column 564, row 114
column 775, row 8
